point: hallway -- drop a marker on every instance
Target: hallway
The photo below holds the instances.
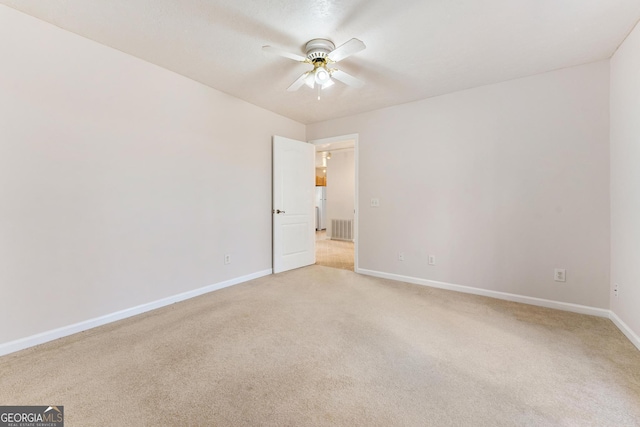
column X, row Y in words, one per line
column 334, row 253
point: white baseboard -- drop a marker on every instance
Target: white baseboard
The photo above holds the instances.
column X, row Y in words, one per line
column 583, row 309
column 22, row 343
column 54, row 334
column 626, row 330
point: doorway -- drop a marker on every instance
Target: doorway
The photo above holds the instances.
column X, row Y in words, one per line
column 336, row 202
column 334, row 253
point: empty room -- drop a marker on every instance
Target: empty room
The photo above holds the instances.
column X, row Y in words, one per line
column 160, row 174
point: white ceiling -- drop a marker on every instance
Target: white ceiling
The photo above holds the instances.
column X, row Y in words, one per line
column 415, row 48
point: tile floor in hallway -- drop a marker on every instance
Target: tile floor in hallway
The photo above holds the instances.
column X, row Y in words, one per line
column 334, row 253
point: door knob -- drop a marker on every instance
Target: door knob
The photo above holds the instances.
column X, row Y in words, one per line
column 278, row 211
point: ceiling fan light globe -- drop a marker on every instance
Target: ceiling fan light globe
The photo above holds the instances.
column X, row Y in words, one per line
column 310, row 80
column 322, row 75
column 329, row 83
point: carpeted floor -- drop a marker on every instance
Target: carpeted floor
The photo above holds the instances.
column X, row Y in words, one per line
column 322, row 346
column 334, row 253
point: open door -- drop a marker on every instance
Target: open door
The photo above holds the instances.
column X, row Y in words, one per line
column 293, row 204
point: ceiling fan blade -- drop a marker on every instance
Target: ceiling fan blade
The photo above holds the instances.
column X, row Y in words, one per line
column 347, row 49
column 280, row 52
column 347, row 79
column 298, row 83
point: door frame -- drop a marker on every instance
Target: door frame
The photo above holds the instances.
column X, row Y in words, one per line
column 356, row 222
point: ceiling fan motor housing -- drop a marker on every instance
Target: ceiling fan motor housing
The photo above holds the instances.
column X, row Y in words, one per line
column 318, row 49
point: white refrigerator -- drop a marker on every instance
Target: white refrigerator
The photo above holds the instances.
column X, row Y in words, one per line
column 321, row 208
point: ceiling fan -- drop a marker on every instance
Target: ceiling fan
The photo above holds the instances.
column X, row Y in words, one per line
column 323, row 55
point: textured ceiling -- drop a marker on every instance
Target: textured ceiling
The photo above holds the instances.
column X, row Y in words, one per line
column 415, row 48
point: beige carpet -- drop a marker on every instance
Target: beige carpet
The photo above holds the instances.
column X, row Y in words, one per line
column 322, row 346
column 334, row 253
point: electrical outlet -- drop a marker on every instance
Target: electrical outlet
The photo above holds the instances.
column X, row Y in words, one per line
column 432, row 260
column 375, row 202
column 560, row 275
column 616, row 290
column 401, row 256
column 227, row 258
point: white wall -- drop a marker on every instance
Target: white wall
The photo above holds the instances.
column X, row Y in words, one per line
column 120, row 182
column 340, row 186
column 501, row 183
column 625, row 181
column 123, row 183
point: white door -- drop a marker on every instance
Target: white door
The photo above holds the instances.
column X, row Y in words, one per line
column 293, row 204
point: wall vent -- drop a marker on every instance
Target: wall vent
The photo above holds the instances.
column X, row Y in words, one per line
column 342, row 229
